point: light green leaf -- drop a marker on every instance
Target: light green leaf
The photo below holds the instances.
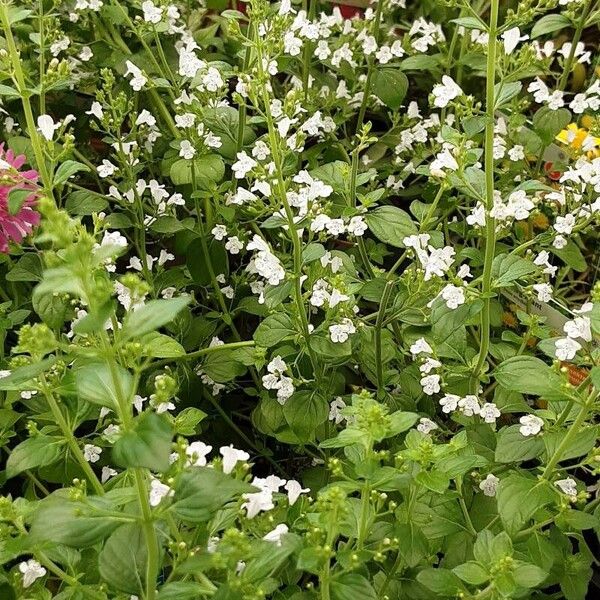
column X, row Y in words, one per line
column 391, row 225
column 152, row 315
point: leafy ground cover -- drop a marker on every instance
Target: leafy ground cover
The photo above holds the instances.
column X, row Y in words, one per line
column 298, row 301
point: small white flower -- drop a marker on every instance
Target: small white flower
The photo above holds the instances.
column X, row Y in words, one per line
column 335, row 410
column 430, row 384
column 47, row 126
column 567, row 486
column 231, row 456
column 421, row 347
column 454, row 296
column 31, row 571
column 152, row 13
column 107, row 473
column 186, row 150
column 566, row 348
column 449, row 403
column 489, row 412
column 489, row 485
column 106, row 169
column 197, row 453
column 158, row 491
column 258, row 502
column 426, row 425
column 511, row 38
column 91, row 453
column 446, row 91
column 469, row 405
column 580, row 327
column 294, row 489
column 530, row 425
column 543, row 291
column 276, row 535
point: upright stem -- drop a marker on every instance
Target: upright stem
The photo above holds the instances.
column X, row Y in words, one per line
column 149, row 533
column 490, row 223
column 370, row 67
column 562, row 84
column 25, row 95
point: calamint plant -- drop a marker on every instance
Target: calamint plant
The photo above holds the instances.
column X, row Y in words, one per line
column 299, row 299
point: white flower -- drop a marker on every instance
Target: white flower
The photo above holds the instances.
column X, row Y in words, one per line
column 489, row 412
column 339, row 333
column 106, row 169
column 258, row 502
column 291, row 44
column 445, row 92
column 31, row 571
column 158, row 491
column 91, row 453
column 426, row 425
column 489, row 485
column 186, row 150
column 243, row 165
column 567, row 486
column 566, row 348
column 277, row 533
column 430, row 384
column 579, row 327
column 138, row 80
column 511, row 38
column 357, row 226
column 454, row 296
column 231, row 456
column 197, row 452
column 519, row 205
column 96, row 110
column 335, row 410
column 516, row 153
column 449, row 403
column 152, row 14
column 219, row 232
column 234, row 245
column 530, row 425
column 107, row 473
column 421, row 346
column 47, row 126
column 294, row 489
column 543, row 291
column 469, row 405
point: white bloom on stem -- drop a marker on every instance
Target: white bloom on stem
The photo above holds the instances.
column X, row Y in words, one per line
column 530, row 425
column 335, row 410
column 92, row 453
column 489, row 485
column 138, row 79
column 294, row 489
column 107, row 473
column 449, row 403
column 430, row 384
column 276, row 535
column 258, row 502
column 421, row 347
column 340, row 332
column 426, row 425
column 158, row 491
column 31, row 571
column 579, row 327
column 511, row 38
column 186, row 150
column 446, row 91
column 567, row 486
column 543, row 291
column 197, row 453
column 489, row 412
column 152, row 13
column 566, row 348
column 469, row 405
column 453, row 296
column 243, row 165
column 231, row 456
column 47, row 126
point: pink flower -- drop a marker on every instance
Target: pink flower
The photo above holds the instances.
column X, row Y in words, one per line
column 16, row 227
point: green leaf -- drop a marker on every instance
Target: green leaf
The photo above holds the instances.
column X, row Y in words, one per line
column 580, row 445
column 401, row 421
column 391, row 225
column 529, row 375
column 19, row 377
column 221, row 366
column 507, row 268
column 148, row 444
column 122, row 561
column 571, row 255
column 184, row 590
column 548, row 24
column 82, row 202
column 60, row 520
column 390, row 86
column 36, row 451
column 159, row 345
column 28, row 268
column 351, row 586
column 519, row 498
column 472, row 572
column 304, row 411
column 527, row 575
column 504, row 92
column 209, row 169
column 68, row 169
column 513, row 446
column 200, row 492
column 97, row 383
column 16, row 199
column 274, row 329
column 441, row 581
column 346, row 437
column 186, row 422
column 547, row 123
column 470, row 23
column 152, row 315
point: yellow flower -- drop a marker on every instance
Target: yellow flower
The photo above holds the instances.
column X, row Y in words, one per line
column 579, row 140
